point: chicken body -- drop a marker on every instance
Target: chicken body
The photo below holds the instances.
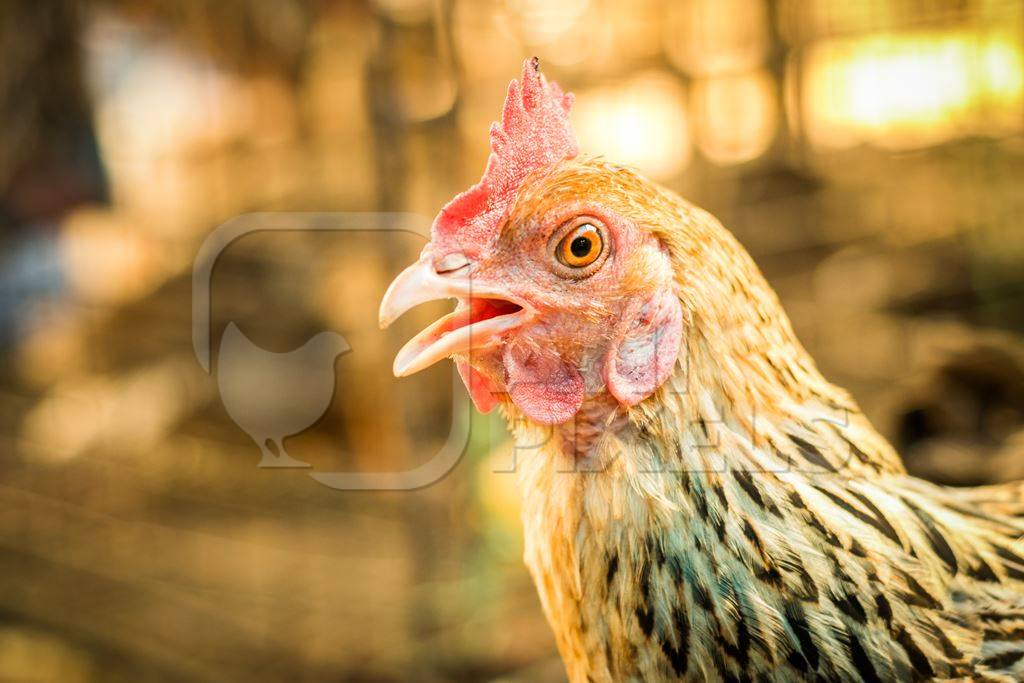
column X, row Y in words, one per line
column 728, row 515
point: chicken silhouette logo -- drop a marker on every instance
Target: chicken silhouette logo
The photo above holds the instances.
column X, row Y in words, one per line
column 272, row 396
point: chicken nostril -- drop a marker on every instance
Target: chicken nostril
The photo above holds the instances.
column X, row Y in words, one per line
column 451, row 263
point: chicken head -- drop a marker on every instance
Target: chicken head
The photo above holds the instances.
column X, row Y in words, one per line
column 562, row 294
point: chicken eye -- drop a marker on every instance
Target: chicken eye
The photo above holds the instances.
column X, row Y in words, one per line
column 581, row 246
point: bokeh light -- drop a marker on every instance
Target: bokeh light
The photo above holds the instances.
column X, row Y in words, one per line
column 705, row 37
column 734, row 116
column 641, row 122
column 911, row 90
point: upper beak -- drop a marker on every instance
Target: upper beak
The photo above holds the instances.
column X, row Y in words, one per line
column 484, row 315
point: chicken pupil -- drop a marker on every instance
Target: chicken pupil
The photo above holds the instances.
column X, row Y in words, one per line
column 580, row 246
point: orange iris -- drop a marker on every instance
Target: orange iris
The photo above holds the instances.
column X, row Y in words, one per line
column 580, row 247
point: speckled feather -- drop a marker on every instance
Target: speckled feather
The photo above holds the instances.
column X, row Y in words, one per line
column 746, row 522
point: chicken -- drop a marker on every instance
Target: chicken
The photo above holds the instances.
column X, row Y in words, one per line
column 705, row 505
column 275, row 395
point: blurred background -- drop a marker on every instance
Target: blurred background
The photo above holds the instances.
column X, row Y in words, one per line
column 869, row 154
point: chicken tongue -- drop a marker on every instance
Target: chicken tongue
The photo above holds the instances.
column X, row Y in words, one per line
column 542, row 385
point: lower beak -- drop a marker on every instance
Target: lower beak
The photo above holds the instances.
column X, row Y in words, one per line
column 482, row 318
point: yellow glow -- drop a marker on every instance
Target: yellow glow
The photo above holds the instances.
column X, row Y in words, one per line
column 54, row 345
column 480, row 30
column 107, row 259
column 128, row 414
column 497, row 476
column 910, row 90
column 704, row 37
column 734, row 116
column 1002, row 65
column 408, row 12
column 543, row 22
column 640, row 123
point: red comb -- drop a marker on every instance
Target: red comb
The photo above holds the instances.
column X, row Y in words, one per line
column 534, row 132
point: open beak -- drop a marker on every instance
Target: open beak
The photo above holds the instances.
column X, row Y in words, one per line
column 482, row 318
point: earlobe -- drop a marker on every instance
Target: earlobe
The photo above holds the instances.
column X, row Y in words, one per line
column 645, row 349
